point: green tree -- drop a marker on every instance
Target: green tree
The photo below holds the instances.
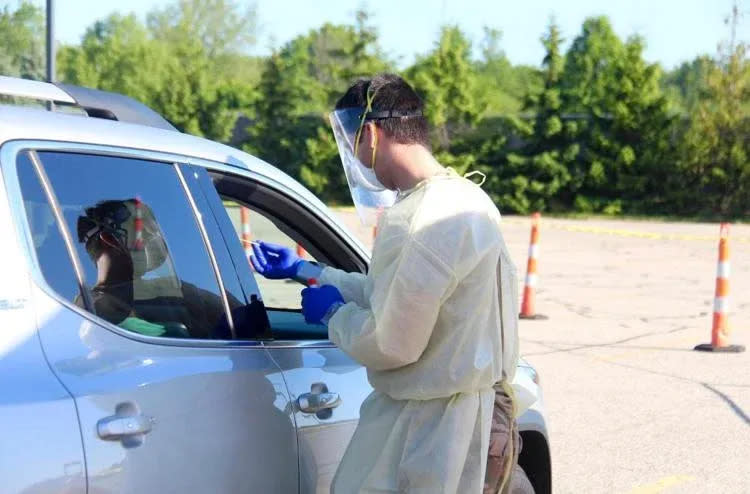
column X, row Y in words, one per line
column 447, row 78
column 586, row 101
column 288, row 109
column 616, row 111
column 501, row 87
column 685, row 85
column 225, row 29
column 117, row 54
column 299, row 86
column 642, row 126
column 22, row 41
column 589, row 62
column 541, row 167
column 209, row 39
column 220, row 26
column 526, row 157
column 167, row 67
column 715, row 160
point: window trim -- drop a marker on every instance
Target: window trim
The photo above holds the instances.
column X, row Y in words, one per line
column 209, row 247
column 236, row 254
column 8, row 165
column 51, row 196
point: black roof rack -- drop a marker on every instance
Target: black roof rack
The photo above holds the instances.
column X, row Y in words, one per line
column 114, row 106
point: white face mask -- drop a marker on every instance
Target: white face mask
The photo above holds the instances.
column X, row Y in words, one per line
column 360, row 174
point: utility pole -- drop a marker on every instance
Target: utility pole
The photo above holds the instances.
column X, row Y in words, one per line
column 50, row 41
column 50, row 46
column 733, row 21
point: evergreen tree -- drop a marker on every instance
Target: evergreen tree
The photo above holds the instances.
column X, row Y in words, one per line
column 715, row 160
column 685, row 85
column 544, row 159
column 641, row 155
column 501, row 86
column 525, row 161
column 446, row 78
column 618, row 115
column 299, row 87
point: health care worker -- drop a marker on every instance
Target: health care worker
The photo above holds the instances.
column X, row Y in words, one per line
column 435, row 319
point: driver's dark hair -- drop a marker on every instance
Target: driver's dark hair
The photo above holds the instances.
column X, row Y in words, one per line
column 391, row 93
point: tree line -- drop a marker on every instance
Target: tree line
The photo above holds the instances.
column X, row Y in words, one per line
column 593, row 129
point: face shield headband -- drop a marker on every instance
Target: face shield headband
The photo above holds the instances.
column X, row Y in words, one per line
column 369, row 115
column 106, row 224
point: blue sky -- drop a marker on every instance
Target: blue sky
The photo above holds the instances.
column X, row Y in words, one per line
column 675, row 30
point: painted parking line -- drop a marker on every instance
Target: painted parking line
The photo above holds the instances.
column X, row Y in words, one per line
column 662, row 484
column 621, row 232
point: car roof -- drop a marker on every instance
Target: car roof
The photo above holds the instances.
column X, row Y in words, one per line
column 29, row 123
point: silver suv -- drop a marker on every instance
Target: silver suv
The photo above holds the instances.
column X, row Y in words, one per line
column 138, row 351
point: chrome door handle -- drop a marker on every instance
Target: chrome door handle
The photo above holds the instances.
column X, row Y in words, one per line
column 316, row 402
column 127, row 425
column 116, row 427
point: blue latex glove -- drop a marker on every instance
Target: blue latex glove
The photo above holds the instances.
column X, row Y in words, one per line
column 273, row 261
column 320, row 303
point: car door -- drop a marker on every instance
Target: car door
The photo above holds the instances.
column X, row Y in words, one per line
column 326, row 385
column 35, row 409
column 144, row 321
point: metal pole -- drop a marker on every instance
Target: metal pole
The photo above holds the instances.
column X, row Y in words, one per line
column 50, row 47
column 50, row 41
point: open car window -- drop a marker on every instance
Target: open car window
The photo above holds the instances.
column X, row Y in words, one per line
column 250, row 225
column 258, row 212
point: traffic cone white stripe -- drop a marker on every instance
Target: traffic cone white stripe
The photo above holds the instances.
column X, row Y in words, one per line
column 723, row 270
column 531, row 279
column 721, row 305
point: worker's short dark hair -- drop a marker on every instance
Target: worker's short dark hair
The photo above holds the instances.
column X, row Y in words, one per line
column 392, row 93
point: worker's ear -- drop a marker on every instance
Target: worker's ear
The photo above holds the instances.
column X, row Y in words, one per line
column 371, row 137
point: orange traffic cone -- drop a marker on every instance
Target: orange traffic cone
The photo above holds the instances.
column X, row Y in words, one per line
column 720, row 328
column 246, row 234
column 528, row 311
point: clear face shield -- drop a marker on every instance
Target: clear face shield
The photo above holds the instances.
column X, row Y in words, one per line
column 369, row 195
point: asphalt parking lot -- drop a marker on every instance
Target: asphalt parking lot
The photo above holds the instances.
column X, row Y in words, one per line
column 631, row 407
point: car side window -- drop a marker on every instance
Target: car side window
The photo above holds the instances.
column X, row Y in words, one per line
column 250, row 225
column 146, row 267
